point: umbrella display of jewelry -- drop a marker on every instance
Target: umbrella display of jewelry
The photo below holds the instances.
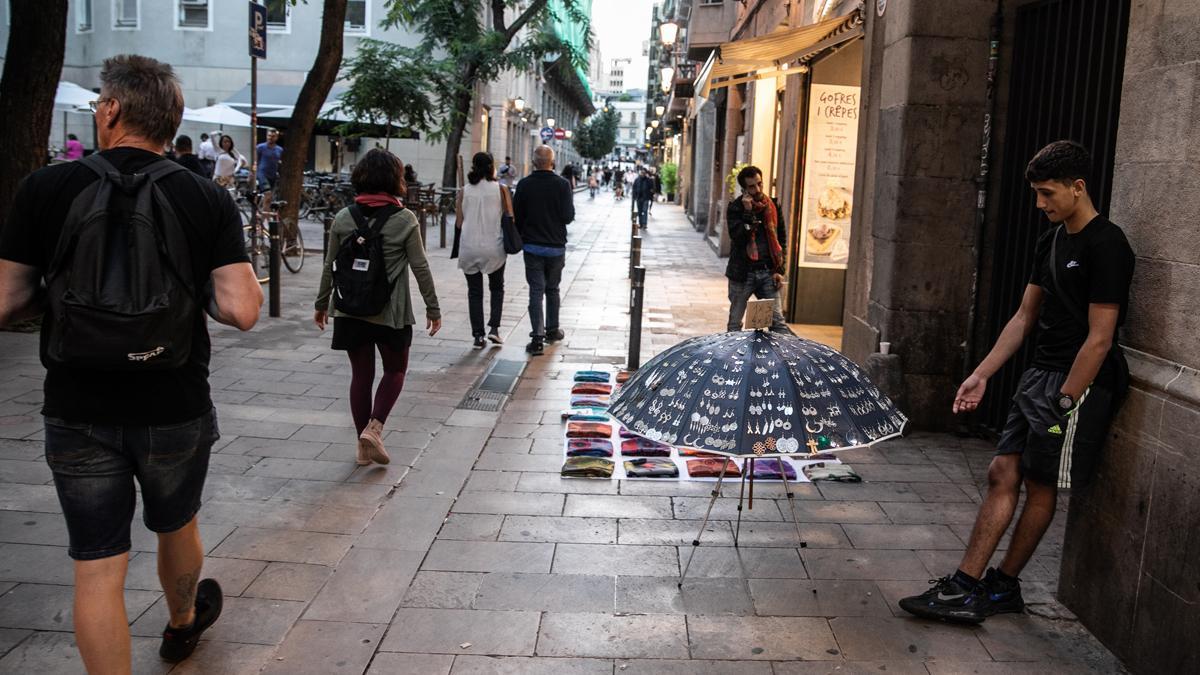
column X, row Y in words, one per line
column 757, row 395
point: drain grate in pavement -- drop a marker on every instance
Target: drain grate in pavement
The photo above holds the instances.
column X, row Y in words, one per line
column 493, row 388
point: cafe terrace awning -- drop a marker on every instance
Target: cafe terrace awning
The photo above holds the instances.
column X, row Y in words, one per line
column 771, row 55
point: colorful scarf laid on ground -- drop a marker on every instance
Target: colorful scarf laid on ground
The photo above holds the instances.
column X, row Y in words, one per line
column 695, row 452
column 768, row 469
column 598, row 411
column 588, row 430
column 651, row 468
column 839, row 473
column 771, row 221
column 589, row 401
column 589, row 447
column 626, row 433
column 587, row 417
column 644, row 447
column 623, row 376
column 587, row 467
column 591, row 376
column 596, row 388
column 377, row 199
column 711, row 468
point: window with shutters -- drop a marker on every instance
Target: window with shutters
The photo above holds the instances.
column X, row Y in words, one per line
column 125, row 14
column 83, row 16
column 358, row 17
column 194, row 14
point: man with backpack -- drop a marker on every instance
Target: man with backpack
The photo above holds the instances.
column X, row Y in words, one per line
column 1076, row 297
column 542, row 207
column 127, row 354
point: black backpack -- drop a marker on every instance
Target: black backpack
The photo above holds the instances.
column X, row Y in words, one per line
column 120, row 285
column 360, row 282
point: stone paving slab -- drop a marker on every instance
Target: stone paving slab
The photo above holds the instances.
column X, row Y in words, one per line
column 445, row 631
column 761, row 638
column 606, row 636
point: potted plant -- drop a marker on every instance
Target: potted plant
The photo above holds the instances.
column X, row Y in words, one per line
column 670, row 179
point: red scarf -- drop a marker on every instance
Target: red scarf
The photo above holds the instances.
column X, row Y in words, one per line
column 771, row 220
column 377, row 199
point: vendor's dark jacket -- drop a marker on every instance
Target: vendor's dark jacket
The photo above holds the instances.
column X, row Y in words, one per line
column 542, row 206
column 737, row 219
column 643, row 188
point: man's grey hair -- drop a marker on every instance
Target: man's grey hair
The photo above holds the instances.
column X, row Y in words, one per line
column 543, row 157
column 149, row 94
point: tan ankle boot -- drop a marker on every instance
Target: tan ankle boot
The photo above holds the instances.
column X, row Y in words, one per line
column 372, row 440
column 361, row 457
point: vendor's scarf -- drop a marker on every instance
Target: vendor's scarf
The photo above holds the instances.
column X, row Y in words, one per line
column 377, row 199
column 771, row 220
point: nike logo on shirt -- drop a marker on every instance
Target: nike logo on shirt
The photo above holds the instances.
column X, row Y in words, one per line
column 1072, row 264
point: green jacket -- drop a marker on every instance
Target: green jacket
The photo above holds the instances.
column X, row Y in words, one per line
column 402, row 249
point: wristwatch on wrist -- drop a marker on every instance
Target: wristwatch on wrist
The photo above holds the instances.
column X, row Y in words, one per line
column 1065, row 402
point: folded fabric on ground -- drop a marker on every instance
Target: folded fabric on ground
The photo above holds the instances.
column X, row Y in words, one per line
column 651, row 468
column 623, row 376
column 594, row 388
column 768, row 469
column 588, row 417
column 585, row 410
column 626, row 433
column 832, row 472
column 694, row 452
column 644, row 447
column 587, row 467
column 711, row 468
column 588, row 430
column 592, row 376
column 589, row 400
column 589, row 447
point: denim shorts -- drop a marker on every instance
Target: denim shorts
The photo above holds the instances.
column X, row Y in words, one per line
column 95, row 467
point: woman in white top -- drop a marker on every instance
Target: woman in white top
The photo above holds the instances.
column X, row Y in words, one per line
column 480, row 205
column 228, row 163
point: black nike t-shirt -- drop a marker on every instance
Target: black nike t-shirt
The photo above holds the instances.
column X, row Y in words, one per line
column 1094, row 265
column 213, row 229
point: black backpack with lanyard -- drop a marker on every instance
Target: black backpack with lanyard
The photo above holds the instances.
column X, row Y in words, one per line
column 120, row 288
column 361, row 286
column 1116, row 356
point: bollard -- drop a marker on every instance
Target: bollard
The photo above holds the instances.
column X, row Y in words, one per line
column 636, row 292
column 273, row 234
column 635, row 254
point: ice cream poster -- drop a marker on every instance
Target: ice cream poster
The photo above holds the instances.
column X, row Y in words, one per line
column 829, row 175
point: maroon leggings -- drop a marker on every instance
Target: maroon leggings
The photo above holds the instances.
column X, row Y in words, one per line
column 362, row 369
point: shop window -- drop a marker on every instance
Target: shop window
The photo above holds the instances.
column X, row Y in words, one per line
column 358, row 17
column 125, row 14
column 194, row 14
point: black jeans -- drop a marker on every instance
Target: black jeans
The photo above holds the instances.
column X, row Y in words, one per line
column 543, row 275
column 475, row 299
column 643, row 209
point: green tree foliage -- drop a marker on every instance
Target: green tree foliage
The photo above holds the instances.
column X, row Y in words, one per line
column 392, row 85
column 469, row 48
column 596, row 138
column 670, row 177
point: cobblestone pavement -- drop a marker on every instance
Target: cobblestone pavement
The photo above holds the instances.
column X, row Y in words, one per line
column 468, row 554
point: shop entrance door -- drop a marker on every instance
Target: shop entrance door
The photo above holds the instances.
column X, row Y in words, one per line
column 1068, row 58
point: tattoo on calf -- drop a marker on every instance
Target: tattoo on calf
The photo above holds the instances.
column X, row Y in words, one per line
column 185, row 592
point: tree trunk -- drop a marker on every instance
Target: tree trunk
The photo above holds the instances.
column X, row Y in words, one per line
column 32, row 65
column 312, row 96
column 462, row 113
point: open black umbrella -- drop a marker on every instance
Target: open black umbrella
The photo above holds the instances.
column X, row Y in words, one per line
column 756, row 394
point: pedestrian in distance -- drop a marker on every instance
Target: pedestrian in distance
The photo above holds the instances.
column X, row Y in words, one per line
column 410, row 175
column 228, row 163
column 593, row 185
column 270, row 156
column 481, row 204
column 607, row 177
column 618, row 184
column 72, row 149
column 186, row 158
column 757, row 253
column 1076, row 299
column 126, row 395
column 507, row 174
column 543, row 207
column 364, row 286
column 643, row 193
column 207, row 152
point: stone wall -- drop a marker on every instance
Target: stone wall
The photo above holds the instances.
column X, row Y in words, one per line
column 1131, row 559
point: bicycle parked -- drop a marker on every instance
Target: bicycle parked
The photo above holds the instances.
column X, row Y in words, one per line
column 256, row 226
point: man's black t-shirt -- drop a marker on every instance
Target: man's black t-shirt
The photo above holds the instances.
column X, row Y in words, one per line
column 213, row 229
column 192, row 163
column 1095, row 265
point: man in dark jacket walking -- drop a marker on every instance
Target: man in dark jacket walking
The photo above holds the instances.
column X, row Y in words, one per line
column 757, row 254
column 542, row 207
column 643, row 192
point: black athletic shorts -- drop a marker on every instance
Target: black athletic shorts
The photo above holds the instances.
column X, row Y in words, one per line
column 1055, row 448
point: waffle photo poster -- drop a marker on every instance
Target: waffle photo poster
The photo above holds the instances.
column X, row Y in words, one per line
column 829, row 175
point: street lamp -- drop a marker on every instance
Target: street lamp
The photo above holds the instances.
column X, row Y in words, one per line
column 550, row 122
column 654, row 123
column 569, row 134
column 659, row 110
column 667, row 32
column 518, row 104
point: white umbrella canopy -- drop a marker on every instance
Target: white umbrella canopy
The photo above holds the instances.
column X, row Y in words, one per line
column 71, row 97
column 219, row 114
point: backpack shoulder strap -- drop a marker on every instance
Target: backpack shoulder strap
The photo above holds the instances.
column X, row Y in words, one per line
column 360, row 221
column 98, row 164
column 162, row 168
column 381, row 217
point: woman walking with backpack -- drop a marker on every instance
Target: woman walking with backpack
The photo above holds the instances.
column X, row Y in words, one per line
column 481, row 204
column 372, row 309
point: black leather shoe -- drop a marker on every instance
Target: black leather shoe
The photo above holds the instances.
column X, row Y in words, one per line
column 179, row 643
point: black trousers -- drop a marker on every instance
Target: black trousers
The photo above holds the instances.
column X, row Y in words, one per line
column 475, row 299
